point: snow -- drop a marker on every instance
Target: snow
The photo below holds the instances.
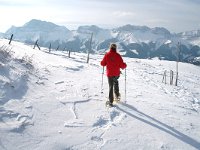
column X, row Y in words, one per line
column 168, row 42
column 49, row 101
column 133, row 34
column 195, row 41
column 135, row 51
column 192, row 37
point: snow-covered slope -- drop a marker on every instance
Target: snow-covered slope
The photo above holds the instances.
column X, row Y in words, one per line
column 50, row 101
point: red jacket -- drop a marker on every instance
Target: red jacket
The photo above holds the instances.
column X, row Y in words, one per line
column 113, row 62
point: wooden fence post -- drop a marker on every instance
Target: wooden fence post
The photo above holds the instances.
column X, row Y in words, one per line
column 171, row 77
column 69, row 53
column 10, row 39
column 49, row 47
column 178, row 59
column 36, row 44
column 64, row 48
column 164, row 76
column 57, row 48
column 90, row 48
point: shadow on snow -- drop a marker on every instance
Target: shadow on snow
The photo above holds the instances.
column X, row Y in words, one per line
column 157, row 124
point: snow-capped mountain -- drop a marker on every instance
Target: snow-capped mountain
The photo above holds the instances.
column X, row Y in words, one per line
column 43, row 31
column 192, row 36
column 133, row 41
column 139, row 34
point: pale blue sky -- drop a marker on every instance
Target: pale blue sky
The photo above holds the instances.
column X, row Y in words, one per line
column 175, row 15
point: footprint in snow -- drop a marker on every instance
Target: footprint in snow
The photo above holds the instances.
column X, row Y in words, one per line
column 101, row 121
column 113, row 118
column 96, row 138
column 113, row 115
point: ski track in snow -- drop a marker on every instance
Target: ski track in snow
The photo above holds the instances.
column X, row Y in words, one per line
column 102, row 125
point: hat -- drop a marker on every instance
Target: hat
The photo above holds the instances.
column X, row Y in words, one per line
column 113, row 46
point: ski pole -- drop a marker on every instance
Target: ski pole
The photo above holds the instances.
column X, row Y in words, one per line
column 125, row 84
column 102, row 81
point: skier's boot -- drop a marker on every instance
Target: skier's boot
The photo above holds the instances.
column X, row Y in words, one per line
column 118, row 97
column 109, row 104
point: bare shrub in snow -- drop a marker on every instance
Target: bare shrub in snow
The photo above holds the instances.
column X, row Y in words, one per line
column 27, row 61
column 5, row 53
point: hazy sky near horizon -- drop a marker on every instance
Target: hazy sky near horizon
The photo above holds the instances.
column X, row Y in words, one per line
column 175, row 15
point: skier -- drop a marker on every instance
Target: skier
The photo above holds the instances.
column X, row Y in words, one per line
column 113, row 62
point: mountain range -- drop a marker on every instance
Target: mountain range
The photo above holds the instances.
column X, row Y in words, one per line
column 133, row 41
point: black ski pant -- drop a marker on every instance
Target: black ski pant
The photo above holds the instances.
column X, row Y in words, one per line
column 113, row 87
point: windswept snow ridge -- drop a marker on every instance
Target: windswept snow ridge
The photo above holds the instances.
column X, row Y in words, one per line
column 50, row 101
